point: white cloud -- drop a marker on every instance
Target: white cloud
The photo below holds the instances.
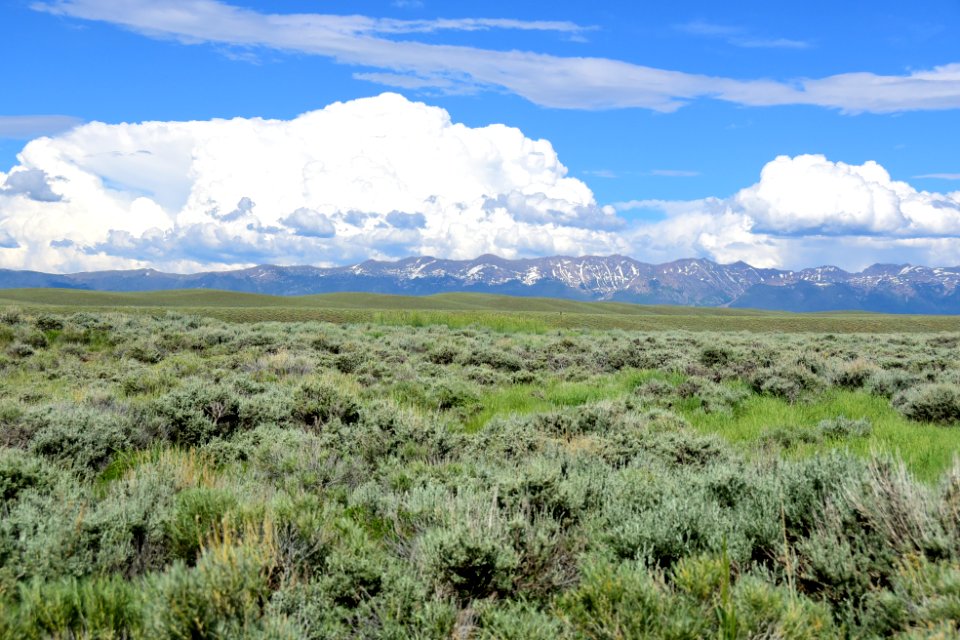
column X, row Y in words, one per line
column 675, row 173
column 7, row 241
column 385, row 178
column 937, row 88
column 709, row 29
column 379, row 177
column 939, row 176
column 738, row 36
column 548, row 80
column 386, row 25
column 811, row 195
column 770, row 43
column 402, row 220
column 309, row 223
column 30, row 183
column 184, row 18
column 416, row 82
column 608, row 174
column 807, row 211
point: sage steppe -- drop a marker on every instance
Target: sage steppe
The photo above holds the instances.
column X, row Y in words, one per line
column 194, row 468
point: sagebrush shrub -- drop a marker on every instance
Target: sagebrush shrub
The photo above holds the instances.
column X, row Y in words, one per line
column 320, row 401
column 931, row 403
column 82, row 438
column 715, row 356
column 197, row 412
column 46, row 322
column 197, row 515
column 468, row 563
column 36, row 339
column 626, row 601
column 19, row 472
column 10, row 315
column 888, row 383
column 446, row 395
column 854, row 374
column 842, row 427
column 222, row 597
column 788, row 382
column 790, row 436
column 20, row 350
column 516, row 621
column 443, row 353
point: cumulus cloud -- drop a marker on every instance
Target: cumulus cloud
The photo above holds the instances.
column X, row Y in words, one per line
column 808, row 210
column 812, row 195
column 549, row 80
column 29, row 183
column 243, row 209
column 387, row 178
column 381, row 177
column 311, row 224
column 7, row 241
column 402, row 220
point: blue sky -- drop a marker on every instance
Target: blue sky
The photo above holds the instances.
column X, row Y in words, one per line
column 675, row 102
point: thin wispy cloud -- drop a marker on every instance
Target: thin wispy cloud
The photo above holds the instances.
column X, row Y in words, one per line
column 387, row 26
column 739, row 36
column 939, row 176
column 701, row 28
column 607, row 174
column 416, row 82
column 770, row 43
column 546, row 80
column 674, row 173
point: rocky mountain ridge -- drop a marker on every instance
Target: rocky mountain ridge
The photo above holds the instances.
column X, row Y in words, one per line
column 699, row 282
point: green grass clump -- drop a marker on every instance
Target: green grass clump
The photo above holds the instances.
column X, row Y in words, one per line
column 519, row 399
column 928, row 449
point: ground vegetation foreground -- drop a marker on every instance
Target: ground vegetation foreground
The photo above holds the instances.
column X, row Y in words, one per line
column 167, row 475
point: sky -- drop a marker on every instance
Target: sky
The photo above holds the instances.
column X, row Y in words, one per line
column 189, row 135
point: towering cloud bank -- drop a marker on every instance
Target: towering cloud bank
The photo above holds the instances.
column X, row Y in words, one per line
column 377, row 177
column 385, row 177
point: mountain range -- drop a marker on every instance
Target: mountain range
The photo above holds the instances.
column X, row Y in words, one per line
column 885, row 288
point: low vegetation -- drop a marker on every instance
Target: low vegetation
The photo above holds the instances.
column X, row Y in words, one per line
column 167, row 475
column 504, row 314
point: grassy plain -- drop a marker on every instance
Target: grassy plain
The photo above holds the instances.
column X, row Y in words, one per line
column 460, row 310
column 214, row 465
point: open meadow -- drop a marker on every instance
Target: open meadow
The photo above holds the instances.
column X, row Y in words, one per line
column 214, row 465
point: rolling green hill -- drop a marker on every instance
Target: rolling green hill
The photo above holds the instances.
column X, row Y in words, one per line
column 439, row 302
column 465, row 309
